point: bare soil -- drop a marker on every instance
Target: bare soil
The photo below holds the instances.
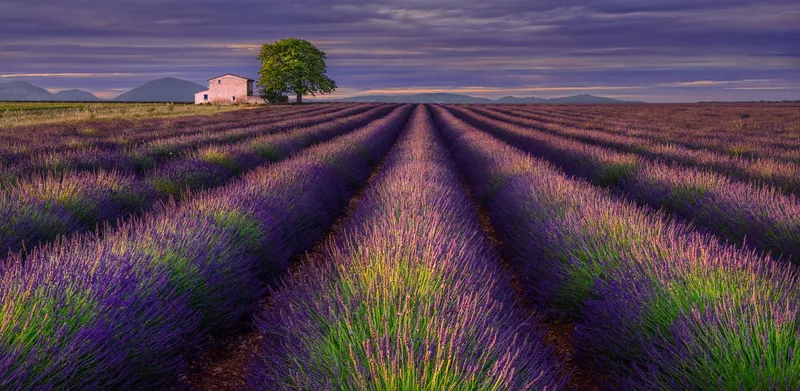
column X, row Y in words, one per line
column 225, row 364
column 559, row 333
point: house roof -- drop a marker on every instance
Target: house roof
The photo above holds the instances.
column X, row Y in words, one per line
column 231, row 74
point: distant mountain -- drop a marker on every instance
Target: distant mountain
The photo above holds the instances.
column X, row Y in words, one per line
column 418, row 98
column 168, row 89
column 515, row 100
column 161, row 90
column 23, row 91
column 457, row 98
column 74, row 96
column 177, row 90
column 20, row 90
column 586, row 99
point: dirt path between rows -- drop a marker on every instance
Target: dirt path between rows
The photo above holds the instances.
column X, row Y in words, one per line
column 559, row 333
column 225, row 364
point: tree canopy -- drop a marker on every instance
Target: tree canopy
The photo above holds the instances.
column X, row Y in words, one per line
column 293, row 66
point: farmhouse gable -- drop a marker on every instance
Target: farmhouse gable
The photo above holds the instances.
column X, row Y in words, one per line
column 228, row 89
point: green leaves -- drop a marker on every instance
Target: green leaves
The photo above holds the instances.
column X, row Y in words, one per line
column 293, row 66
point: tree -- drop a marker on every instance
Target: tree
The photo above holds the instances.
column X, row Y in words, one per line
column 274, row 97
column 293, row 66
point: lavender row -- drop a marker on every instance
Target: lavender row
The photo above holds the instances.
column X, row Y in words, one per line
column 777, row 142
column 111, row 134
column 119, row 134
column 784, row 176
column 408, row 294
column 148, row 156
column 657, row 305
column 126, row 310
column 762, row 132
column 43, row 208
column 716, row 125
column 735, row 211
column 703, row 129
column 172, row 145
column 764, row 126
column 133, row 156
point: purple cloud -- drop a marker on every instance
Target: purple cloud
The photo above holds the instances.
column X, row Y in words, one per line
column 446, row 44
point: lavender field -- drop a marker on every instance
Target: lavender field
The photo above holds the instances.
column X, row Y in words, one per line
column 366, row 246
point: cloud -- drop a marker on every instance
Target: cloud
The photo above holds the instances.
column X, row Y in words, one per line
column 765, row 88
column 659, row 45
column 19, row 75
column 490, row 90
column 710, row 83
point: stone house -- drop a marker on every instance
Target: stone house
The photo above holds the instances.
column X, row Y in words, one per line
column 228, row 89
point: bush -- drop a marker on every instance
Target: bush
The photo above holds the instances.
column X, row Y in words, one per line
column 274, row 97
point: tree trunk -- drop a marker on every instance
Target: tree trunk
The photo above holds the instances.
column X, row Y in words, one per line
column 299, row 98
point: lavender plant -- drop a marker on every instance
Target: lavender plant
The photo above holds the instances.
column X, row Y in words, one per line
column 408, row 295
column 657, row 304
column 124, row 309
column 734, row 211
column 78, row 201
column 783, row 176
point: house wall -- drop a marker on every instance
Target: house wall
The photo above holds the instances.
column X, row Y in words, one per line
column 198, row 97
column 223, row 89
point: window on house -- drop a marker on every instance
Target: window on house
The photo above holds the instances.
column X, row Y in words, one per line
column 219, row 81
column 234, row 99
column 205, row 96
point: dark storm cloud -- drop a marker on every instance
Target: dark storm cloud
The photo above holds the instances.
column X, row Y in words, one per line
column 653, row 49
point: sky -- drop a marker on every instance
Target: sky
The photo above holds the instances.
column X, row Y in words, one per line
column 655, row 50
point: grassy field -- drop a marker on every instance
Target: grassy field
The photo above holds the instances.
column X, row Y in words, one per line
column 13, row 114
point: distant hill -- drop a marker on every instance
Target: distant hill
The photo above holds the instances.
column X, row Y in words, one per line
column 514, row 99
column 418, row 98
column 20, row 90
column 458, row 98
column 176, row 90
column 586, row 99
column 75, row 96
column 168, row 89
column 24, row 91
